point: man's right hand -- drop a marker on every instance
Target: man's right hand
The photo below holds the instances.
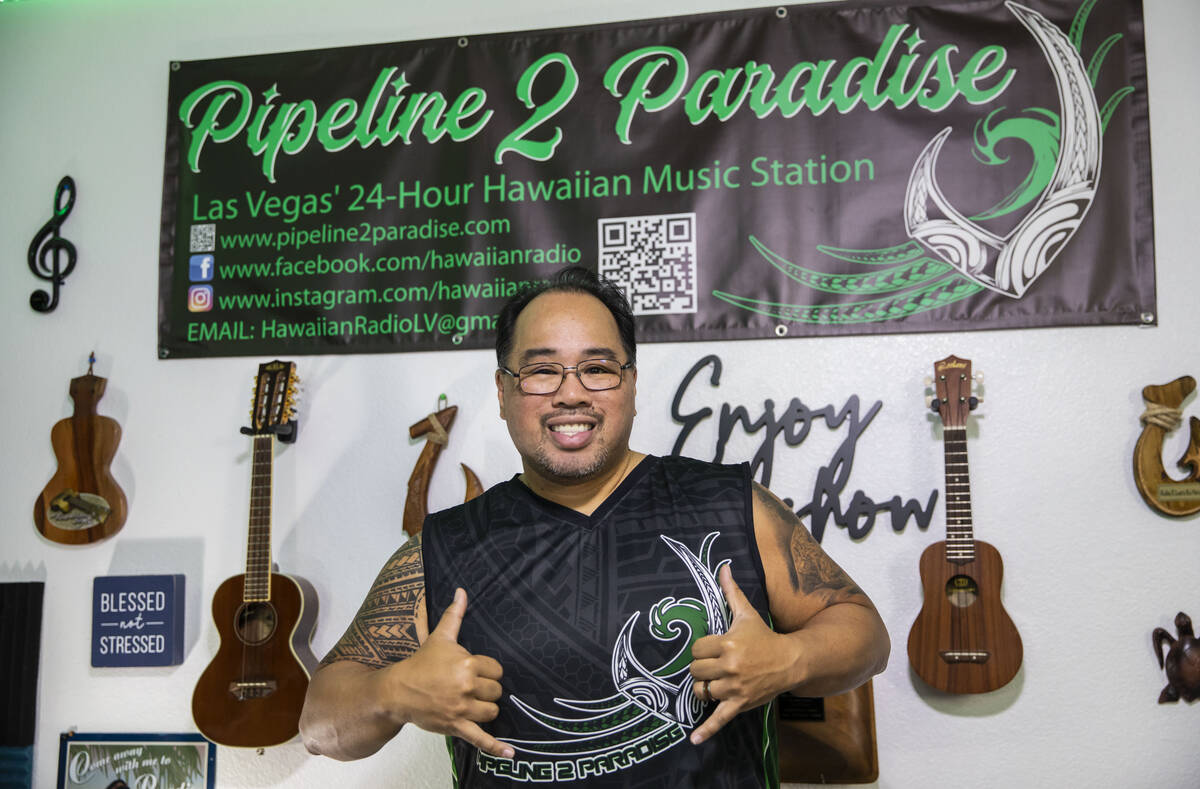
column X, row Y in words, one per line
column 449, row 690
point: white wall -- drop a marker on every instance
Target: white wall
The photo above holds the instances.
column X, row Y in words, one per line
column 1090, row 569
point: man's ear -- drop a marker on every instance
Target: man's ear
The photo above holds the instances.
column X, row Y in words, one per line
column 500, row 393
column 633, row 384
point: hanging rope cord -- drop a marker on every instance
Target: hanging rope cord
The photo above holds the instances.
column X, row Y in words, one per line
column 440, row 436
column 1162, row 416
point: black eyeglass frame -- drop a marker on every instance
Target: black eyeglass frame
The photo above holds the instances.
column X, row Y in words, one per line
column 621, row 368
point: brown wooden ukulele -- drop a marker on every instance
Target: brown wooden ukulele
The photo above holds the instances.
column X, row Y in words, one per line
column 252, row 692
column 82, row 503
column 963, row 640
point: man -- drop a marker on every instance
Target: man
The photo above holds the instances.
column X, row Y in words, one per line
column 603, row 615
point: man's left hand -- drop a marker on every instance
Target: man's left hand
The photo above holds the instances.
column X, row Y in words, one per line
column 742, row 669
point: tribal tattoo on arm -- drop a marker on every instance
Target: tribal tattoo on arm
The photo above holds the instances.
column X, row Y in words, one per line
column 384, row 630
column 810, row 569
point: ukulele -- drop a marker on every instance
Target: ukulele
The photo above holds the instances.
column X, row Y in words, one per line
column 252, row 692
column 82, row 503
column 963, row 640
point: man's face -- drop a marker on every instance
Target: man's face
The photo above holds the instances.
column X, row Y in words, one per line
column 573, row 434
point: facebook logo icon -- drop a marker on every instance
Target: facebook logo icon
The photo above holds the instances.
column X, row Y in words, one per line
column 200, row 268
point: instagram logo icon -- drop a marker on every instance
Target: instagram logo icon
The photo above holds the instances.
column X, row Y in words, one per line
column 200, row 298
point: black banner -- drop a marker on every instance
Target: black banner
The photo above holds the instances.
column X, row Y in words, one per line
column 788, row 171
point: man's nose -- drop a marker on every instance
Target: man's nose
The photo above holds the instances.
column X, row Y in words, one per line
column 572, row 391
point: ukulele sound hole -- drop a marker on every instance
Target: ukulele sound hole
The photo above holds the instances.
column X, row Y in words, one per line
column 255, row 622
column 961, row 591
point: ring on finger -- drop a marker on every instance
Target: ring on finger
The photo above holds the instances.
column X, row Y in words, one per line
column 707, row 693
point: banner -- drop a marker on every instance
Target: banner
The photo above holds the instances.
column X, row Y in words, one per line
column 786, row 171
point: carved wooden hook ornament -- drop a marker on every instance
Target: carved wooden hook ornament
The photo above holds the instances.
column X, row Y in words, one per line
column 1162, row 415
column 436, row 426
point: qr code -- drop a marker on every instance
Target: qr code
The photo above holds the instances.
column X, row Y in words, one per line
column 204, row 238
column 653, row 259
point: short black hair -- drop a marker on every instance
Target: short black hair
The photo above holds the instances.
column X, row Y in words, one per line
column 573, row 279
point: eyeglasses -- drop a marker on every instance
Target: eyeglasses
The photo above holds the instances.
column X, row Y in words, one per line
column 542, row 378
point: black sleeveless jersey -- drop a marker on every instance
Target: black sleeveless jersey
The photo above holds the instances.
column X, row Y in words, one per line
column 593, row 618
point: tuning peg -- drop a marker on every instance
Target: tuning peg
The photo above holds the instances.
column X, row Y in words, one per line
column 929, row 401
column 929, row 380
column 978, row 379
column 934, row 404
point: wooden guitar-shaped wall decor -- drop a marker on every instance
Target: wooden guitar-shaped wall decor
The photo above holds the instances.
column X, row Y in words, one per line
column 963, row 640
column 436, row 426
column 1167, row 495
column 82, row 503
column 252, row 692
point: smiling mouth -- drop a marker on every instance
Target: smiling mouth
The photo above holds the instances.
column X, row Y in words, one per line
column 570, row 429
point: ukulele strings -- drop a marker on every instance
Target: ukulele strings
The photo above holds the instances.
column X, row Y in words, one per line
column 251, row 663
column 957, row 475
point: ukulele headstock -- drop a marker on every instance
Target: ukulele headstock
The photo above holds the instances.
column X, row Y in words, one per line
column 952, row 399
column 87, row 389
column 273, row 410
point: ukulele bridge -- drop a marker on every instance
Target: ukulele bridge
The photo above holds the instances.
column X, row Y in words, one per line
column 955, row 656
column 251, row 689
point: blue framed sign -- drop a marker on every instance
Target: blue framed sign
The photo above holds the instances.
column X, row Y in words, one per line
column 135, row 761
column 137, row 620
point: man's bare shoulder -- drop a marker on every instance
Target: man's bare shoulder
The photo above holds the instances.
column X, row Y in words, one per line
column 801, row 578
column 390, row 623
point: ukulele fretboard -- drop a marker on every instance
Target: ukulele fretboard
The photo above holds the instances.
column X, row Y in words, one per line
column 258, row 544
column 960, row 539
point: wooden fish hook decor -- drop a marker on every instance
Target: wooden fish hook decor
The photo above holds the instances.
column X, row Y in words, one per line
column 436, row 426
column 1162, row 415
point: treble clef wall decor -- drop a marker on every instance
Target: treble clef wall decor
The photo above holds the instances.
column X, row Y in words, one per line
column 48, row 245
column 436, row 425
column 1162, row 415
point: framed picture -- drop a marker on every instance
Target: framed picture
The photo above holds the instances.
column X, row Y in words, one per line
column 136, row 761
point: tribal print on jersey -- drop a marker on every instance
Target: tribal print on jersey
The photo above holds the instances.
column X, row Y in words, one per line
column 651, row 709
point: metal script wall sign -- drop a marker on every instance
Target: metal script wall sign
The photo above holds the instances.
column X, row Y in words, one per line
column 52, row 257
column 791, row 170
column 793, row 425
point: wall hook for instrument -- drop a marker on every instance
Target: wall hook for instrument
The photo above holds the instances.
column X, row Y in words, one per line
column 1162, row 415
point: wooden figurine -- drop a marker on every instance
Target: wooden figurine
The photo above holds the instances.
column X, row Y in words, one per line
column 1182, row 662
column 1167, row 495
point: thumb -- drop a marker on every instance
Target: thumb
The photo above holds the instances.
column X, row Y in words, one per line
column 452, row 618
column 739, row 606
